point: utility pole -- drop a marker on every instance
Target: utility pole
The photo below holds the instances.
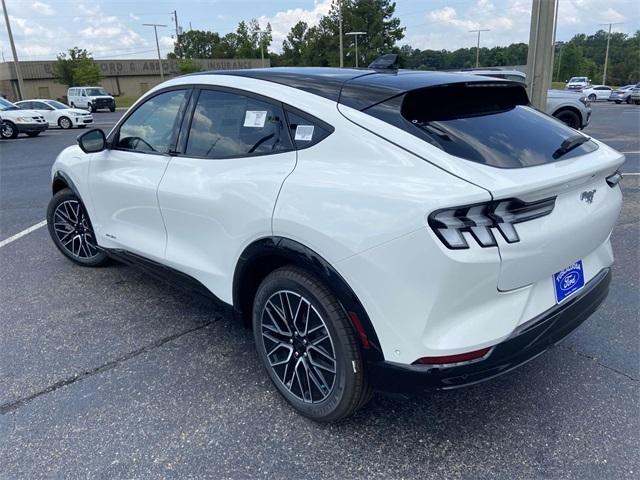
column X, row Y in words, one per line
column 559, row 61
column 355, row 35
column 340, row 32
column 155, row 30
column 16, row 63
column 261, row 41
column 478, row 47
column 541, row 50
column 606, row 55
column 175, row 19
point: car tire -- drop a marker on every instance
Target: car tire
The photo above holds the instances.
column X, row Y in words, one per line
column 569, row 118
column 10, row 131
column 65, row 123
column 112, row 109
column 73, row 105
column 71, row 230
column 33, row 134
column 618, row 102
column 312, row 356
column 91, row 107
column 592, row 97
column 628, row 100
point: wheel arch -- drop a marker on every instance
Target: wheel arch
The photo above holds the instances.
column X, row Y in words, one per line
column 267, row 254
column 61, row 180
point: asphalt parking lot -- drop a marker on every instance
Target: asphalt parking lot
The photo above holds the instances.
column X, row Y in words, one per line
column 107, row 373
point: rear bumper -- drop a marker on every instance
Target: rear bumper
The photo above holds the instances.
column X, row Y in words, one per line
column 527, row 342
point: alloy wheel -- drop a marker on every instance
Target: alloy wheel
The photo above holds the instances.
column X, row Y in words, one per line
column 8, row 131
column 298, row 346
column 73, row 230
column 65, row 123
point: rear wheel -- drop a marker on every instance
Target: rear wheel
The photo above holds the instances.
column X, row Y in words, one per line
column 618, row 102
column 308, row 346
column 112, row 109
column 33, row 134
column 568, row 117
column 71, row 230
column 9, row 130
column 592, row 98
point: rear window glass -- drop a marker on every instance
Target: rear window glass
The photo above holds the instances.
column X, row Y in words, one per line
column 305, row 130
column 491, row 124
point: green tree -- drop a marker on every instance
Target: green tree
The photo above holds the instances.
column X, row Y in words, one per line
column 188, row 65
column 76, row 68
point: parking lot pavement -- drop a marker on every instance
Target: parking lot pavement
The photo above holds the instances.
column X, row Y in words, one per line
column 109, row 373
column 619, row 127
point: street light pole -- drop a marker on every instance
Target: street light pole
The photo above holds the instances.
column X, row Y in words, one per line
column 478, row 47
column 155, row 30
column 16, row 63
column 340, row 32
column 355, row 34
column 606, row 55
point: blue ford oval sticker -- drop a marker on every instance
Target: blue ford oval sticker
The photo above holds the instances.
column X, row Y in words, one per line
column 568, row 281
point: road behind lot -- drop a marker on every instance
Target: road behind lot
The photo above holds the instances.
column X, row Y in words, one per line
column 108, row 373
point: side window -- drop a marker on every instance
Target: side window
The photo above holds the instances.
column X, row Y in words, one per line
column 305, row 130
column 25, row 105
column 150, row 128
column 231, row 125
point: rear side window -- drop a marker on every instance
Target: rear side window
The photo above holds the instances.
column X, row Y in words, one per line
column 306, row 130
column 491, row 124
column 227, row 125
column 151, row 127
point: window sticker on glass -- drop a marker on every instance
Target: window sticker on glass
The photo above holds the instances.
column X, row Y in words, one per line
column 304, row 132
column 255, row 118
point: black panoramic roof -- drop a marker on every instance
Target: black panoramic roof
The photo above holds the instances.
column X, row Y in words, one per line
column 356, row 88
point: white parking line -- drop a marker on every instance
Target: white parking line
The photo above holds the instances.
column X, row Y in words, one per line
column 21, row 234
column 634, row 151
column 632, row 174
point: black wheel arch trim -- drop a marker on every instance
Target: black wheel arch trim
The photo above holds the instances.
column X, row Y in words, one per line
column 61, row 178
column 272, row 252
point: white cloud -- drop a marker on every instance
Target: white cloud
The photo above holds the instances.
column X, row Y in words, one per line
column 42, row 8
column 281, row 22
column 134, row 17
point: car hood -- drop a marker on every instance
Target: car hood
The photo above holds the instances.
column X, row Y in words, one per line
column 563, row 94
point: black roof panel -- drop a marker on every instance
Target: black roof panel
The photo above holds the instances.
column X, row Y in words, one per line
column 357, row 88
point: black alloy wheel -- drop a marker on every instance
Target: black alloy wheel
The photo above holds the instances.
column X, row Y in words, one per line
column 71, row 230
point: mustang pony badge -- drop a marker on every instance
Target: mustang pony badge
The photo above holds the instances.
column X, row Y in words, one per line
column 587, row 196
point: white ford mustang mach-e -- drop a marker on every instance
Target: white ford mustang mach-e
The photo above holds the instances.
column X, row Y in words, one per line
column 390, row 230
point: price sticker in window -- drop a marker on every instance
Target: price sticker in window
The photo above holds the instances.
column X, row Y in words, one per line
column 304, row 133
column 255, row 118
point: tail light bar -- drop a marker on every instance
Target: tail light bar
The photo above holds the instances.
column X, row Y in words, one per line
column 480, row 219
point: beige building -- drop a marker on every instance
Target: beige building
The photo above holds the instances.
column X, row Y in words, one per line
column 129, row 78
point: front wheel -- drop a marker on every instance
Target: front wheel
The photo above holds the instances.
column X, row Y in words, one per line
column 308, row 346
column 91, row 107
column 592, row 98
column 618, row 102
column 568, row 117
column 71, row 230
column 33, row 134
column 112, row 109
column 65, row 123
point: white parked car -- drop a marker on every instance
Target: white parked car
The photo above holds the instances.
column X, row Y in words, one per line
column 578, row 83
column 16, row 120
column 91, row 98
column 58, row 114
column 597, row 92
column 405, row 232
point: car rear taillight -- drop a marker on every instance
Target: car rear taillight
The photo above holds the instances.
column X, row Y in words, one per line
column 480, row 220
column 452, row 359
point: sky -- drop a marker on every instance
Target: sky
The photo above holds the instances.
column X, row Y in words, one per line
column 112, row 29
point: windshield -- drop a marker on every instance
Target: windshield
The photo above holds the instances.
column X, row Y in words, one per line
column 578, row 79
column 94, row 92
column 6, row 105
column 57, row 105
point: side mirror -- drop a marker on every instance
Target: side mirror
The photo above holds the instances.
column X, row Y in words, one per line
column 92, row 141
column 566, row 81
